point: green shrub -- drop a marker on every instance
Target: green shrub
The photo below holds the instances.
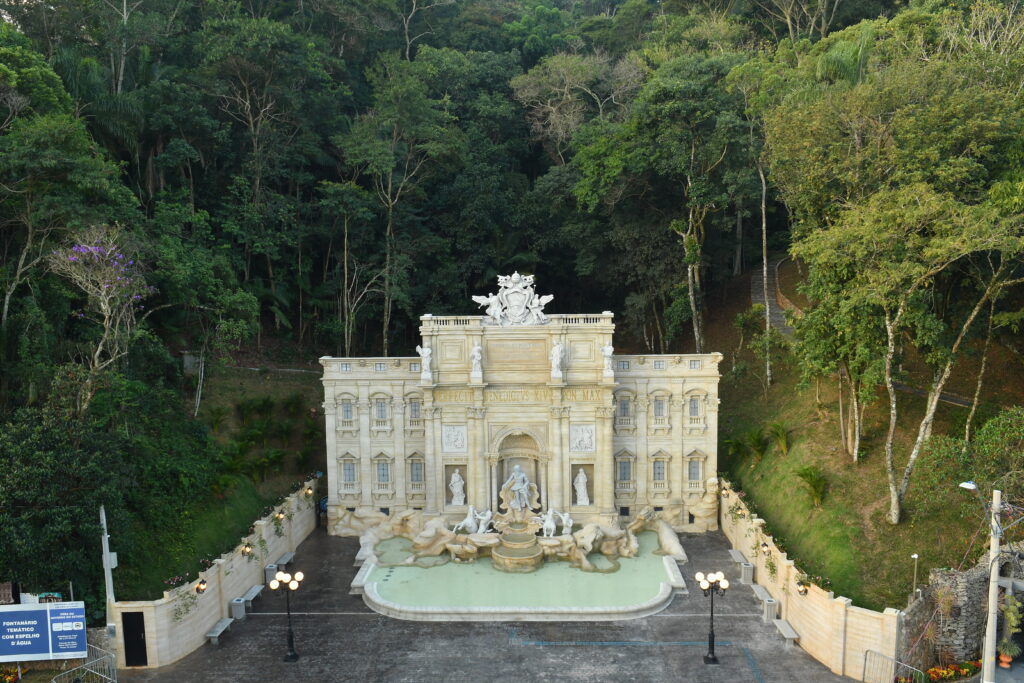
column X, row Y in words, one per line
column 781, row 436
column 815, row 483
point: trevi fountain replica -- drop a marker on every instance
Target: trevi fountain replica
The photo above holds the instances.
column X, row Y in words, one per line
column 518, row 468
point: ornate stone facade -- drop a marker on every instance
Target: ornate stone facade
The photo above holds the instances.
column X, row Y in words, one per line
column 520, row 387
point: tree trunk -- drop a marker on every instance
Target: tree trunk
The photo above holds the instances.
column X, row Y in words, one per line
column 737, row 256
column 981, row 377
column 842, row 421
column 764, row 272
column 895, row 499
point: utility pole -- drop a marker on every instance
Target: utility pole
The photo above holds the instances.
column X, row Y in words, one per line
column 109, row 564
column 988, row 660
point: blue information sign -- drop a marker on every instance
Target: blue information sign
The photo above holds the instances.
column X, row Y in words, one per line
column 53, row 630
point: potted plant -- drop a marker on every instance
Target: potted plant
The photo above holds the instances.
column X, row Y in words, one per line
column 1008, row 647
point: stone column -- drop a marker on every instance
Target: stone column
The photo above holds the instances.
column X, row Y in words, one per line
column 604, row 469
column 434, row 473
column 330, row 429
column 492, row 465
column 365, row 456
column 476, row 468
column 677, row 428
column 400, row 472
column 542, row 485
column 558, row 431
column 643, row 456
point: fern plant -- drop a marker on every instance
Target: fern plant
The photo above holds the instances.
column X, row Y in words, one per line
column 756, row 444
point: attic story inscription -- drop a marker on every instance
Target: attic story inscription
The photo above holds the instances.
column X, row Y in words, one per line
column 518, row 395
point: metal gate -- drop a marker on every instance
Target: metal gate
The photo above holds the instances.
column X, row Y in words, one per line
column 879, row 668
column 100, row 667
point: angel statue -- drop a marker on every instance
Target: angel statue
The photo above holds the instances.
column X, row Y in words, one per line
column 493, row 305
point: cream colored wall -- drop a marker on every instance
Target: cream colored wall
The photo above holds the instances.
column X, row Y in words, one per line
column 831, row 629
column 517, row 392
column 232, row 574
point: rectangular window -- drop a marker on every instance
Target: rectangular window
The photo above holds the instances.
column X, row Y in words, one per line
column 622, row 365
column 416, row 471
column 694, row 407
column 383, row 472
column 659, row 365
column 694, row 470
column 345, row 367
column 382, row 409
column 414, row 367
column 414, row 409
column 695, row 365
column 346, row 409
column 380, row 367
column 624, row 407
column 348, row 471
column 659, row 470
column 659, row 407
column 625, row 471
column 623, row 512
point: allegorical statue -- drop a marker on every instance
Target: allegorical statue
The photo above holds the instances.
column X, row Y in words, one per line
column 608, row 351
column 457, row 486
column 557, row 355
column 580, row 484
column 425, row 352
column 519, row 493
column 476, row 356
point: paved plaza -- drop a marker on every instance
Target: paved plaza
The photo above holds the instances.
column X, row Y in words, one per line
column 338, row 638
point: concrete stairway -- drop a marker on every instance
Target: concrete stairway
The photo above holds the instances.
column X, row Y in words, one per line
column 778, row 318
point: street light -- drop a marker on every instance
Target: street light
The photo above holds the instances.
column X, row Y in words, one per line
column 988, row 655
column 715, row 582
column 201, row 586
column 289, row 583
column 914, row 557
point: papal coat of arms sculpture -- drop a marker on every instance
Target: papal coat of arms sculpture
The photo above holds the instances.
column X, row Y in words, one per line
column 515, row 303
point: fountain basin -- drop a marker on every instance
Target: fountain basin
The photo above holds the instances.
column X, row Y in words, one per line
column 556, row 591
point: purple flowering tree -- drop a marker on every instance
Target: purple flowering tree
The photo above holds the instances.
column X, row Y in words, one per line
column 115, row 289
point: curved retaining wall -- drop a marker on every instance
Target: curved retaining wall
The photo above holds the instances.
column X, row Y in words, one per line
column 831, row 629
column 176, row 624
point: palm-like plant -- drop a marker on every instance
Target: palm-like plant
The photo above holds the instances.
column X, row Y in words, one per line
column 756, row 444
column 781, row 435
column 815, row 483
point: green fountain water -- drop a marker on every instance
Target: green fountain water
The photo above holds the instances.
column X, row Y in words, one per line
column 555, row 585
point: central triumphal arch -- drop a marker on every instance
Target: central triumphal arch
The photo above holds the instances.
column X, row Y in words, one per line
column 600, row 434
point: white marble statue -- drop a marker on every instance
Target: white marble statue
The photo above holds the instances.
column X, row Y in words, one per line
column 425, row 352
column 457, row 486
column 567, row 521
column 468, row 523
column 519, row 487
column 515, row 303
column 476, row 356
column 494, row 307
column 557, row 355
column 581, row 438
column 607, row 351
column 547, row 522
column 580, row 484
column 485, row 522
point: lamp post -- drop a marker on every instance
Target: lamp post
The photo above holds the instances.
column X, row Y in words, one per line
column 988, row 658
column 715, row 582
column 913, row 593
column 289, row 583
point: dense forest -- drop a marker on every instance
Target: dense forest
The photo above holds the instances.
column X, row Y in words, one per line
column 309, row 177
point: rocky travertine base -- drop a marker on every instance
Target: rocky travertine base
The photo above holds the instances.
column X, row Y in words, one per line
column 518, row 552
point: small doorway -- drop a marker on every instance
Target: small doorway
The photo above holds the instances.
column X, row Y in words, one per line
column 133, row 628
